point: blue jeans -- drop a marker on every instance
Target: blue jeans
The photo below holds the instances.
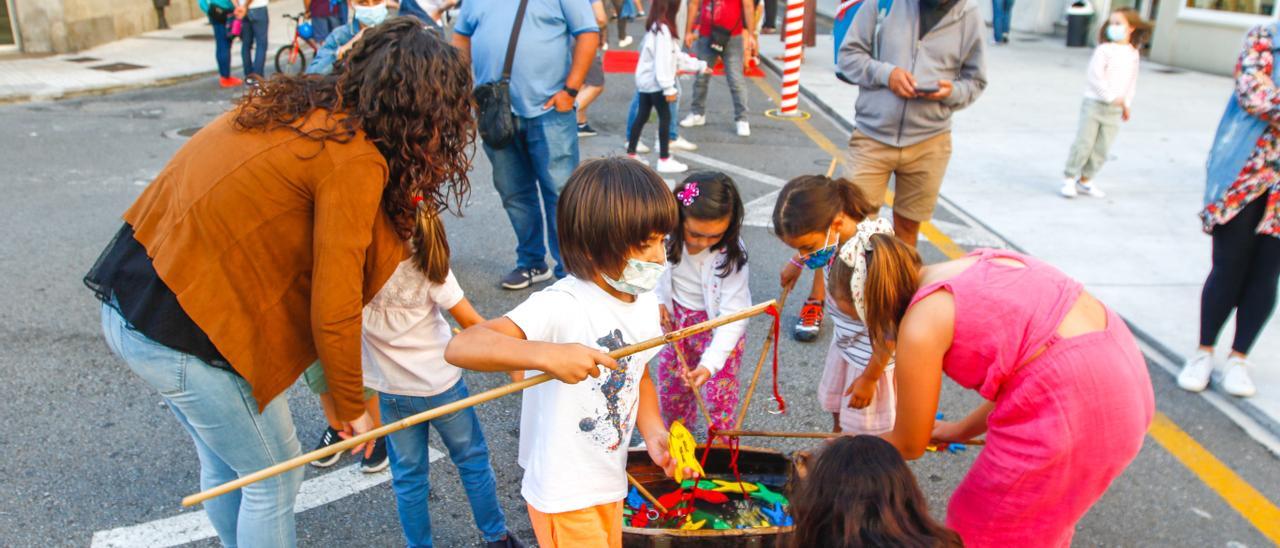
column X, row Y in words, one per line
column 221, row 47
column 539, row 161
column 410, row 466
column 253, row 42
column 1001, row 12
column 322, row 26
column 635, row 108
column 232, row 439
column 733, row 55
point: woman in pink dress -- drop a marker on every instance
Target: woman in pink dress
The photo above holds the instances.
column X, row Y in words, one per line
column 1068, row 396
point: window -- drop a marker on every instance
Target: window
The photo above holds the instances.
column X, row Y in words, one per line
column 1250, row 7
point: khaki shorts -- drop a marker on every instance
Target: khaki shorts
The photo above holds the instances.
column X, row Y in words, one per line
column 917, row 171
column 314, row 376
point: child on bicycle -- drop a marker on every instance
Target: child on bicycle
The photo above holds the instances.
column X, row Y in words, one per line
column 367, row 14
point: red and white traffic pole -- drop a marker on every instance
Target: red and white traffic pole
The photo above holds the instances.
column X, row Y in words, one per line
column 792, row 58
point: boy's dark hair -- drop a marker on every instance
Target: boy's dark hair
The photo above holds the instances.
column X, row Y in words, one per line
column 609, row 207
column 1140, row 34
column 717, row 198
column 809, row 203
column 859, row 492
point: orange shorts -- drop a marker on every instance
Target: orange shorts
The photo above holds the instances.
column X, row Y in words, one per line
column 595, row 526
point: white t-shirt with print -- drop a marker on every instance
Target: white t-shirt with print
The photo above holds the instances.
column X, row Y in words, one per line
column 405, row 334
column 574, row 437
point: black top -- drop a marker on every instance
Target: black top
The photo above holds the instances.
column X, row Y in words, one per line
column 124, row 278
column 931, row 12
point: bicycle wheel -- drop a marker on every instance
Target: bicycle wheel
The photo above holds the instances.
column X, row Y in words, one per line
column 285, row 65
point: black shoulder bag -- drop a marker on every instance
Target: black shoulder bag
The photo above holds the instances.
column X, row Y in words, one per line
column 493, row 100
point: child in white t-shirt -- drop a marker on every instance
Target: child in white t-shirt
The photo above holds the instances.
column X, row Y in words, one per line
column 613, row 215
column 403, row 342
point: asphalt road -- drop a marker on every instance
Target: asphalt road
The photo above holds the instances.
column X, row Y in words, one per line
column 87, row 448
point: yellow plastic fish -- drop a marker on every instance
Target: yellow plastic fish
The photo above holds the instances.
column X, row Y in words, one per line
column 733, row 487
column 682, row 447
column 690, row 525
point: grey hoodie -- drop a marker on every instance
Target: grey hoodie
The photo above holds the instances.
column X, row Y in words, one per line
column 952, row 50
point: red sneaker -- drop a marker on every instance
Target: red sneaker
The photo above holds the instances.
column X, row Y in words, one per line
column 810, row 323
column 230, row 82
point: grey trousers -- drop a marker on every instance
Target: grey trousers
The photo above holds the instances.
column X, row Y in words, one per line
column 1099, row 123
column 733, row 59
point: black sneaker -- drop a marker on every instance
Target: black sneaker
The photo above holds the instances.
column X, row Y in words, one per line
column 585, row 130
column 521, row 278
column 330, row 437
column 510, row 541
column 377, row 461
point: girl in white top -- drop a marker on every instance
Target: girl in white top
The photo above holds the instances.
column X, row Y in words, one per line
column 613, row 217
column 706, row 279
column 660, row 59
column 403, row 342
column 1112, row 80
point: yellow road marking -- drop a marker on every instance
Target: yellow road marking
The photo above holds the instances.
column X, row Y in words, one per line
column 1235, row 491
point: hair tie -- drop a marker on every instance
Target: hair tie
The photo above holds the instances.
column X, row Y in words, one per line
column 854, row 254
column 417, row 201
column 690, row 192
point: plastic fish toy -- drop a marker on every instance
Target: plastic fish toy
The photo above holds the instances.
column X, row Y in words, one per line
column 634, row 500
column 702, row 484
column 722, row 486
column 641, row 518
column 690, row 525
column 716, row 522
column 956, row 448
column 673, row 499
column 682, row 447
column 769, row 497
column 778, row 516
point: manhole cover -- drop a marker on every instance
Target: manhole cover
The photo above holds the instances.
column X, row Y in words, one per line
column 83, row 59
column 118, row 67
column 182, row 133
column 1026, row 39
column 199, row 37
column 1169, row 70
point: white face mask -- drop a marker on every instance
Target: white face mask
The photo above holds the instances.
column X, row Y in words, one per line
column 370, row 16
column 1117, row 33
column 638, row 277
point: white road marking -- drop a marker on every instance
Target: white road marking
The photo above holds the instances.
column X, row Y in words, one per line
column 734, row 170
column 759, row 212
column 193, row 526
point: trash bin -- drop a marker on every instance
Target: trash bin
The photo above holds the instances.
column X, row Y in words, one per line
column 1079, row 15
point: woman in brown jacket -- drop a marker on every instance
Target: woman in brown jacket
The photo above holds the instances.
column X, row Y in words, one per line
column 254, row 250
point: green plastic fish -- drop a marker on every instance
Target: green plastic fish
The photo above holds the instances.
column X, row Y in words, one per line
column 770, row 497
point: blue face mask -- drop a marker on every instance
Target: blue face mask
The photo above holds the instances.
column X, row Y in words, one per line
column 821, row 257
column 370, row 16
column 638, row 277
column 1116, row 33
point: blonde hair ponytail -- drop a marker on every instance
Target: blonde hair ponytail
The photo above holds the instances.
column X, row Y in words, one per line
column 430, row 244
column 893, row 276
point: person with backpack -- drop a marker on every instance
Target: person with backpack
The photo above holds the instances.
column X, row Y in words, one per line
column 723, row 30
column 219, row 13
column 915, row 63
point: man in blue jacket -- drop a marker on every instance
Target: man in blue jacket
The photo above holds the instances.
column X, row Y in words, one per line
column 914, row 67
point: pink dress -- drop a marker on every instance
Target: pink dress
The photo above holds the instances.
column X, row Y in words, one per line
column 1065, row 424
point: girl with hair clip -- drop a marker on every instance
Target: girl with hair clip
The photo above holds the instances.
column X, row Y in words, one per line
column 706, row 278
column 859, row 492
column 816, row 215
column 403, row 344
column 1068, row 396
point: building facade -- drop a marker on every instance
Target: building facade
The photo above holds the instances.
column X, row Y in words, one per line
column 1206, row 35
column 61, row 26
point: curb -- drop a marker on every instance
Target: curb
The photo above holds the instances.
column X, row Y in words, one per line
column 1268, row 424
column 105, row 90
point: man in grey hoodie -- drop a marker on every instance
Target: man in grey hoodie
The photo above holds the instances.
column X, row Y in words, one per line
column 913, row 68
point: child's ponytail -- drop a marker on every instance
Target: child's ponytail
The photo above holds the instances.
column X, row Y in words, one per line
column 809, row 203
column 430, row 245
column 893, row 276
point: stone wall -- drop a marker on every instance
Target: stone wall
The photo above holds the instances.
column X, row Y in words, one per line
column 63, row 26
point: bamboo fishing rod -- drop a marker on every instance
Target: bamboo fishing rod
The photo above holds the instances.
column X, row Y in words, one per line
column 645, row 493
column 810, row 435
column 461, row 404
column 697, row 392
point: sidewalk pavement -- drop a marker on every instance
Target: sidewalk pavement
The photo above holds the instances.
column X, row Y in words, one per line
column 1141, row 249
column 181, row 52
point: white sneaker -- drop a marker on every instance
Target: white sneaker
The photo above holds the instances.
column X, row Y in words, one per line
column 1091, row 190
column 624, row 42
column 637, row 158
column 671, row 165
column 1235, row 380
column 744, row 129
column 1068, row 189
column 1195, row 373
column 693, row 120
column 641, row 148
column 681, row 144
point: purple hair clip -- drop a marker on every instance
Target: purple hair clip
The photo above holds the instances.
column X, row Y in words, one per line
column 687, row 195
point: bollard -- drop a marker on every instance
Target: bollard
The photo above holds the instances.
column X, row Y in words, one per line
column 792, row 58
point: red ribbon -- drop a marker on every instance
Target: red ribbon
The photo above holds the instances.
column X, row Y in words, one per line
column 777, row 328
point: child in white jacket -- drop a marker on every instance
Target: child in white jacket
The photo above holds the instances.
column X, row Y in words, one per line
column 706, row 279
column 660, row 60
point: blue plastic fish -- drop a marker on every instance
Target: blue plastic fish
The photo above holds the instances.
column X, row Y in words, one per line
column 634, row 500
column 778, row 516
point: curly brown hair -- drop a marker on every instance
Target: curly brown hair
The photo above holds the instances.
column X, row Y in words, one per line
column 409, row 91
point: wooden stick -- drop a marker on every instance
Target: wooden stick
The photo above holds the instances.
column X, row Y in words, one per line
column 646, row 494
column 764, row 354
column 461, row 404
column 697, row 392
column 813, row 435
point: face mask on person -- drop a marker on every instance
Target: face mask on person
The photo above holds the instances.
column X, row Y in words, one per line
column 821, row 257
column 1117, row 33
column 370, row 16
column 638, row 277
